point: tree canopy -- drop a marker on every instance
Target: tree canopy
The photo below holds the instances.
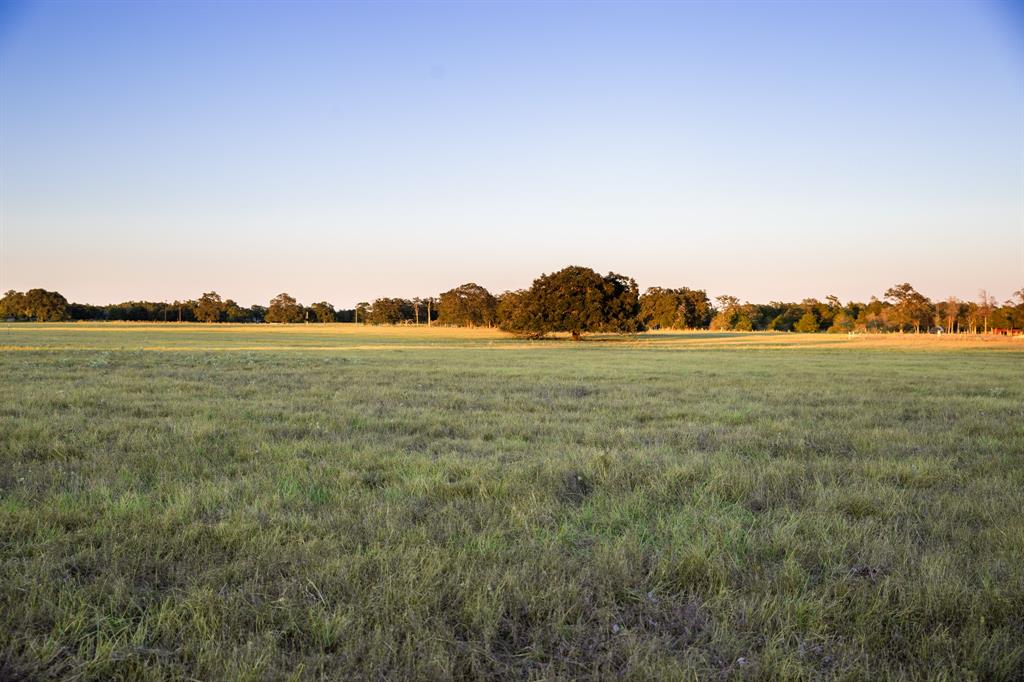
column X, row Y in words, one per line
column 911, row 308
column 675, row 308
column 35, row 304
column 469, row 305
column 284, row 308
column 575, row 300
column 323, row 312
column 209, row 308
column 389, row 311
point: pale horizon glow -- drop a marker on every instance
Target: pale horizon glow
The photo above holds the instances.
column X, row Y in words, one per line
column 349, row 151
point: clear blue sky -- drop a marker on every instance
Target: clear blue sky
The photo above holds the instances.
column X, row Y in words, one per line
column 345, row 151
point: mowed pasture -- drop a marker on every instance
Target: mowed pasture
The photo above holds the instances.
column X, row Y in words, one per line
column 333, row 501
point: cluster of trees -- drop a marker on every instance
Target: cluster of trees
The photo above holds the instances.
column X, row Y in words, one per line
column 397, row 311
column 469, row 305
column 49, row 306
column 576, row 300
column 902, row 309
column 34, row 304
column 675, row 309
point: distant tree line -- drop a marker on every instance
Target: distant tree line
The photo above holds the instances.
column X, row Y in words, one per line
column 901, row 309
column 576, row 300
column 49, row 306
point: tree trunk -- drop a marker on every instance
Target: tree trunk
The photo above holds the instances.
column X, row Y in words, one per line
column 576, row 336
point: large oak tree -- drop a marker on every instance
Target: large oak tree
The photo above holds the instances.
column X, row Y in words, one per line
column 575, row 300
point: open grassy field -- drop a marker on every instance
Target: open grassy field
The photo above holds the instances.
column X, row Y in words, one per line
column 258, row 502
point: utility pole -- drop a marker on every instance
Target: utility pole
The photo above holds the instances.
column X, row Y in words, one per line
column 429, row 300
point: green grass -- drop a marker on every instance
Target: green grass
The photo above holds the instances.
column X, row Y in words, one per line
column 411, row 504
